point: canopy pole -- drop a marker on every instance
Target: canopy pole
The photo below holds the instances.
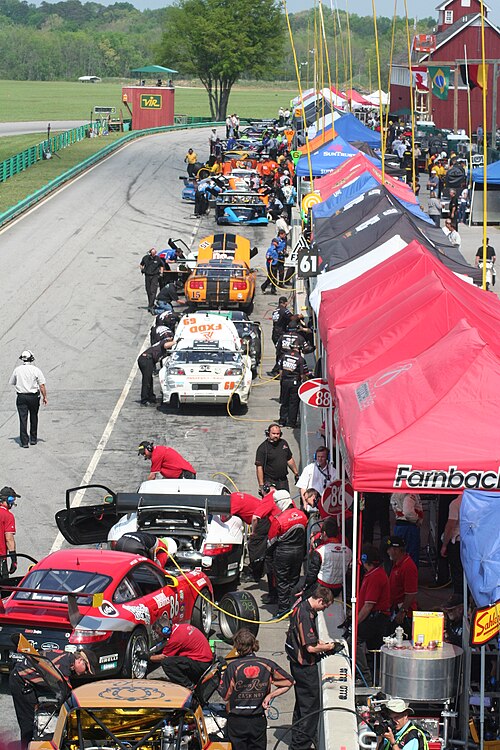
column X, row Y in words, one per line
column 485, row 154
column 481, row 696
column 344, row 572
column 354, row 570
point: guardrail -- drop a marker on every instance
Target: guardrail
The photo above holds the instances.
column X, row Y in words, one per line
column 19, row 162
column 30, row 200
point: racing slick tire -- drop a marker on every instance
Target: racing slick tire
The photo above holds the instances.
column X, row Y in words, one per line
column 238, row 604
column 175, row 402
column 236, row 407
column 201, row 616
column 133, row 666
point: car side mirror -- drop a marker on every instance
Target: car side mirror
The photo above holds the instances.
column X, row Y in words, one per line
column 253, row 252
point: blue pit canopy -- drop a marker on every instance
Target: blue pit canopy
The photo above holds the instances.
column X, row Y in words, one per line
column 492, row 174
column 328, row 158
column 479, row 547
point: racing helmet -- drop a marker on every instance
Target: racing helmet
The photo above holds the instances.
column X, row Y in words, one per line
column 170, row 544
column 283, row 499
column 27, row 356
column 145, row 445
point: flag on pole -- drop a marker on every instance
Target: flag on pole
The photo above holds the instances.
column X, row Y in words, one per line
column 419, row 76
column 475, row 76
column 440, row 79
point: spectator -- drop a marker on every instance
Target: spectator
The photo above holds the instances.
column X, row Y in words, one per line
column 434, row 208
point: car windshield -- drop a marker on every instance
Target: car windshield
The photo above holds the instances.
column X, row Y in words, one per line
column 223, row 273
column 218, row 357
column 69, row 581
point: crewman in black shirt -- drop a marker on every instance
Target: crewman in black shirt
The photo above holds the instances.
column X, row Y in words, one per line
column 281, row 317
column 152, row 267
column 304, row 650
column 272, row 461
column 147, row 362
column 293, row 371
column 26, row 685
column 247, row 689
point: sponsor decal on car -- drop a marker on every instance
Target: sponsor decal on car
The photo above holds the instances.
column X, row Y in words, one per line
column 161, row 599
column 34, row 632
column 140, row 612
column 49, row 646
column 108, row 658
column 108, row 610
column 201, row 581
column 70, row 648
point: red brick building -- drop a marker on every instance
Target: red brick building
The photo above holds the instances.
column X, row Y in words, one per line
column 457, row 38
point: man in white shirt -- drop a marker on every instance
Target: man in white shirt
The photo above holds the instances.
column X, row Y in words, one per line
column 452, row 233
column 317, row 475
column 29, row 382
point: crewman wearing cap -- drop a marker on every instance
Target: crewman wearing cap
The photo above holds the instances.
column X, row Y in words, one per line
column 405, row 733
column 29, row 382
column 26, row 684
column 165, row 461
column 403, row 582
column 286, row 545
column 7, row 532
column 374, row 605
column 255, row 512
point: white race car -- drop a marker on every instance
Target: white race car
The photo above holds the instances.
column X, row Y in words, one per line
column 206, row 364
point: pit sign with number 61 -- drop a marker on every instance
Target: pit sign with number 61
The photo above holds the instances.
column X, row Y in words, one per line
column 308, row 262
column 316, row 393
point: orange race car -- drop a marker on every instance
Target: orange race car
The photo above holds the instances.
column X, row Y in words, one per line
column 222, row 277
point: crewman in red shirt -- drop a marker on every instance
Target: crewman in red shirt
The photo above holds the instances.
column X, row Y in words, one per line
column 165, row 461
column 7, row 531
column 374, row 604
column 186, row 654
column 256, row 513
column 403, row 581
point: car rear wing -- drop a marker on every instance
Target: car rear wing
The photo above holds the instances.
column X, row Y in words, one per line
column 129, row 502
column 240, row 198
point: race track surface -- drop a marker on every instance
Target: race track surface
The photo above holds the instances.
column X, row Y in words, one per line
column 72, row 292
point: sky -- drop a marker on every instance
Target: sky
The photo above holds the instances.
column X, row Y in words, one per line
column 422, row 8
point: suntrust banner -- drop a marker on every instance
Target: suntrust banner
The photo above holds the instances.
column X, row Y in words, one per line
column 408, row 477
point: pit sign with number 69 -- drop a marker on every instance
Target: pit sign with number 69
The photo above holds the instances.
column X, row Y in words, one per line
column 316, row 392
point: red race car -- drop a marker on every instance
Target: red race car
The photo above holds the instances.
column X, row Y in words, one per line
column 102, row 600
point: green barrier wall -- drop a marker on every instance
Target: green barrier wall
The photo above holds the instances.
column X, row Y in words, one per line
column 30, row 200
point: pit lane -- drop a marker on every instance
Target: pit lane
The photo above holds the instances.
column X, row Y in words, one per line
column 72, row 292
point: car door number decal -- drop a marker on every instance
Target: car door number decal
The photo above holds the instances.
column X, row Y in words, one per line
column 168, row 602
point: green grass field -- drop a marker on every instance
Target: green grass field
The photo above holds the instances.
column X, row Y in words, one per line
column 19, row 187
column 62, row 100
column 48, row 100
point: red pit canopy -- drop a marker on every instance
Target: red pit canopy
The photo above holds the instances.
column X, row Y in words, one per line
column 414, row 364
column 354, row 168
column 427, row 423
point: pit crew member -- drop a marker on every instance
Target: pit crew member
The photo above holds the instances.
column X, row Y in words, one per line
column 273, row 458
column 185, row 656
column 26, row 685
column 373, row 608
column 148, row 545
column 293, row 372
column 246, row 687
column 403, row 582
column 256, row 513
column 304, row 650
column 152, row 268
column 281, row 317
column 286, row 547
column 147, row 362
column 165, row 461
column 326, row 562
column 7, row 532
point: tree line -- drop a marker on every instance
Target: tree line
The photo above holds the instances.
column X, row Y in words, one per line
column 67, row 39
